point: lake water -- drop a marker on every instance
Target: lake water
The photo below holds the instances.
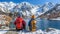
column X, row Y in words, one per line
column 44, row 24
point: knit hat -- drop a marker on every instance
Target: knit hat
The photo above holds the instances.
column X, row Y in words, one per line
column 19, row 14
column 33, row 16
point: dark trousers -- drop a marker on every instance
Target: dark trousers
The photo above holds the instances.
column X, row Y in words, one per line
column 18, row 29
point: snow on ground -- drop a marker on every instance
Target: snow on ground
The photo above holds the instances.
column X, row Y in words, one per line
column 2, row 32
column 51, row 31
column 55, row 18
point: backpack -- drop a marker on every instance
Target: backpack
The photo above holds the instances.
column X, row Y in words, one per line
column 19, row 24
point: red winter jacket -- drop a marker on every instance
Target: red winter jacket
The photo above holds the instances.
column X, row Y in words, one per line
column 20, row 23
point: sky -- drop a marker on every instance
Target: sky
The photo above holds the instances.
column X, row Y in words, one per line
column 36, row 2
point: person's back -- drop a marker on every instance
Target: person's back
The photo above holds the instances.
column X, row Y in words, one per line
column 32, row 24
column 19, row 23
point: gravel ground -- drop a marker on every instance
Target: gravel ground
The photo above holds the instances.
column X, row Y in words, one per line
column 11, row 32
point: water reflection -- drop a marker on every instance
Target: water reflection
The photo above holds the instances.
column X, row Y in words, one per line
column 44, row 24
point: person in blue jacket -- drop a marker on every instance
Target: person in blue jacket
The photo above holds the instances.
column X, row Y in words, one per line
column 32, row 24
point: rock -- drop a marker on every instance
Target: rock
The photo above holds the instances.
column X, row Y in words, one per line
column 5, row 20
column 50, row 29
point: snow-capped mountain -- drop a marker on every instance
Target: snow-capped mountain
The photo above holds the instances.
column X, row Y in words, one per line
column 5, row 7
column 52, row 13
column 25, row 8
column 47, row 6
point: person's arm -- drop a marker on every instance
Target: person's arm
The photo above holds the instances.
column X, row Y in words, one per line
column 24, row 24
column 15, row 22
column 29, row 23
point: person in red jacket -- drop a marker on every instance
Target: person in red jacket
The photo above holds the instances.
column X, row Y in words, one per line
column 20, row 23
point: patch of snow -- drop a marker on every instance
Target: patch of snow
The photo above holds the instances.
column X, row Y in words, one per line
column 55, row 18
column 2, row 32
column 51, row 31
